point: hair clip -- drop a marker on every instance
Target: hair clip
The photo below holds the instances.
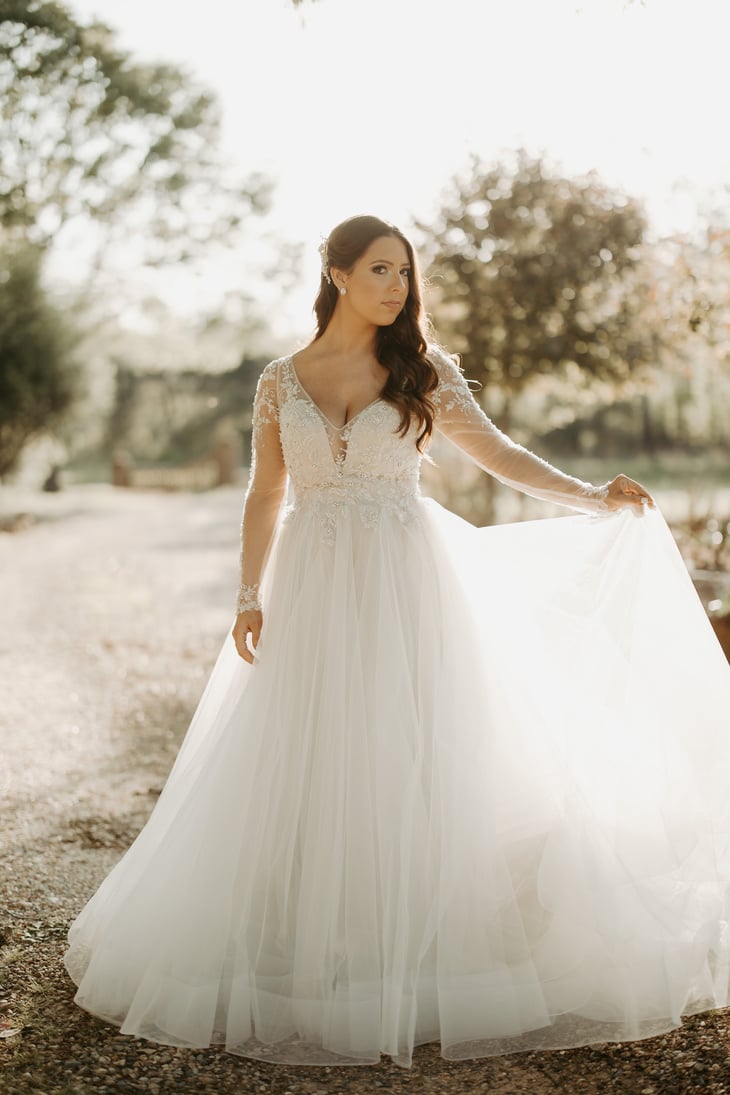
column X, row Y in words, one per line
column 325, row 261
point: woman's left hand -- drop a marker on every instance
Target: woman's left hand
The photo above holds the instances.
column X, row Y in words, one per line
column 623, row 491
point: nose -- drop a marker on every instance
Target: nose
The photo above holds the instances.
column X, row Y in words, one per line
column 399, row 283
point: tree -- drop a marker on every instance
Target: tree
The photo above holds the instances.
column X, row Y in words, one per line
column 89, row 133
column 537, row 274
column 692, row 292
column 127, row 151
column 39, row 378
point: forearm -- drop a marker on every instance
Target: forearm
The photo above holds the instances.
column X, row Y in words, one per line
column 260, row 514
column 524, row 470
column 463, row 422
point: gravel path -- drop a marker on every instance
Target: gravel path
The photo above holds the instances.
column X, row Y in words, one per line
column 113, row 608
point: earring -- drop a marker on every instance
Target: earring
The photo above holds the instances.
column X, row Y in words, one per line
column 343, row 291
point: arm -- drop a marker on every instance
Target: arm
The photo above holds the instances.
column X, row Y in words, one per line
column 264, row 496
column 460, row 418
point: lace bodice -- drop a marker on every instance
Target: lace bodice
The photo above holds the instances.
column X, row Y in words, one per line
column 363, row 462
column 366, row 463
column 319, row 453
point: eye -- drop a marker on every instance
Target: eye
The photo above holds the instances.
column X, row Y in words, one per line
column 381, row 268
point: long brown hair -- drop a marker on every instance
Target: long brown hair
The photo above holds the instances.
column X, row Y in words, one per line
column 400, row 347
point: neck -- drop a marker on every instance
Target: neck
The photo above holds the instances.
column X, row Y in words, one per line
column 348, row 334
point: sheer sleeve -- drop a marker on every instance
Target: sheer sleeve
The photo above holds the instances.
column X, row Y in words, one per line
column 267, row 461
column 267, row 480
column 460, row 418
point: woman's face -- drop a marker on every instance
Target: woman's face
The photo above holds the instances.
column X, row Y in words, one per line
column 377, row 286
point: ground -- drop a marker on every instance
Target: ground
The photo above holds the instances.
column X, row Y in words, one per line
column 114, row 605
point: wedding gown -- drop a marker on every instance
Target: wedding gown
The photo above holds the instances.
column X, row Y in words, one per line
column 474, row 789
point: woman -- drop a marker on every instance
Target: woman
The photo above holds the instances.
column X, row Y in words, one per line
column 453, row 784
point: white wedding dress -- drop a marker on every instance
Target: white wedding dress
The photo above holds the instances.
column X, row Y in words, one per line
column 475, row 788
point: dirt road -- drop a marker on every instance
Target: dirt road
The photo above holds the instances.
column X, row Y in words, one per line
column 113, row 608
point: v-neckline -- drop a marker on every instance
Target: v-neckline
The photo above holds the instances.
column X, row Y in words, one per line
column 318, row 409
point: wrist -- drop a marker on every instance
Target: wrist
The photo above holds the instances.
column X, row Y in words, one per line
column 600, row 494
column 248, row 599
column 595, row 498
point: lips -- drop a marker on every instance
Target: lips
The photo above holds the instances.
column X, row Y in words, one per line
column 394, row 304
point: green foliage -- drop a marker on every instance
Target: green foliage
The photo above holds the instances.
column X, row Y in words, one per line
column 38, row 376
column 536, row 274
column 695, row 294
column 171, row 417
column 89, row 132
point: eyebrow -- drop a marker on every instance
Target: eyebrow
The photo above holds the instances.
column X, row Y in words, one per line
column 384, row 262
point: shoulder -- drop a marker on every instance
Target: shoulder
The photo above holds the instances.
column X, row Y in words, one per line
column 453, row 389
column 448, row 366
column 269, row 377
column 271, row 371
column 266, row 400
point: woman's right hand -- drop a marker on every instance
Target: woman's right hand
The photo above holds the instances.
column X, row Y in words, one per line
column 251, row 621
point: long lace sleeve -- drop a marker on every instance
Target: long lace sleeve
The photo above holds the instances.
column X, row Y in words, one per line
column 266, row 487
column 460, row 418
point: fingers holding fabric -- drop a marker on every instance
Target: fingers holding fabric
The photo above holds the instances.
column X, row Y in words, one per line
column 623, row 491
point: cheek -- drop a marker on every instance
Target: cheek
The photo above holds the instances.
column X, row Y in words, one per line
column 370, row 291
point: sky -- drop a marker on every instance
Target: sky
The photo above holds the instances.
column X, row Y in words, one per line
column 374, row 105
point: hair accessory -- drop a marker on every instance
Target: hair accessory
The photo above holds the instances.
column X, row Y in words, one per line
column 325, row 261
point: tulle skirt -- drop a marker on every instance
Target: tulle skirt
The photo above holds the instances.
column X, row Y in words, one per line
column 474, row 790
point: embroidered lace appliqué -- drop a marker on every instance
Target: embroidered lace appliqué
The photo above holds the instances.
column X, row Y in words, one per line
column 370, row 498
column 363, row 464
column 366, row 466
column 265, row 410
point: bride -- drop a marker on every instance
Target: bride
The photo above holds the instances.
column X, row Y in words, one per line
column 444, row 783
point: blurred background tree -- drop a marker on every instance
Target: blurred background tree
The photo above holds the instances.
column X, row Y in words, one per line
column 89, row 133
column 537, row 274
column 123, row 154
column 39, row 376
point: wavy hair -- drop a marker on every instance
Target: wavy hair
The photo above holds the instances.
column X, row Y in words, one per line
column 400, row 347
